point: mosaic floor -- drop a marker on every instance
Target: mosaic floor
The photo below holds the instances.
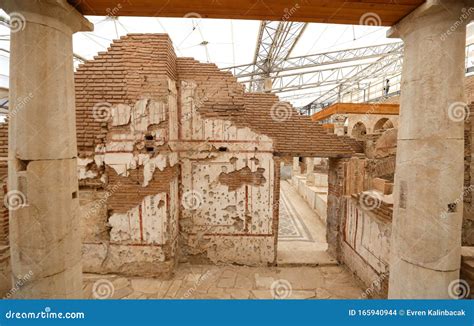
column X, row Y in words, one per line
column 291, row 227
column 301, row 234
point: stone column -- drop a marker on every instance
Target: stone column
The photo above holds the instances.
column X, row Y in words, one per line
column 45, row 237
column 310, row 171
column 296, row 166
column 426, row 231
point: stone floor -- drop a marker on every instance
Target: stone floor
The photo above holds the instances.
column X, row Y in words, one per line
column 302, row 237
column 231, row 282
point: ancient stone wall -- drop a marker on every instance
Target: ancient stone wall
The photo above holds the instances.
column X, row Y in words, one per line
column 360, row 209
column 128, row 175
column 227, row 173
column 177, row 163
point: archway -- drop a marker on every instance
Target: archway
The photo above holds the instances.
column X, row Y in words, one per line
column 359, row 131
column 383, row 124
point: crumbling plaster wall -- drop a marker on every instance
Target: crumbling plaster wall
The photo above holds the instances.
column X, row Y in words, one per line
column 134, row 231
column 128, row 175
column 159, row 169
column 227, row 184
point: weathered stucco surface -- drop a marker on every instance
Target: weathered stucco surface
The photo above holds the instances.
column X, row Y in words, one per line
column 227, row 188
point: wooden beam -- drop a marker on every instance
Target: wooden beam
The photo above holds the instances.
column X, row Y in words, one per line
column 377, row 12
column 356, row 108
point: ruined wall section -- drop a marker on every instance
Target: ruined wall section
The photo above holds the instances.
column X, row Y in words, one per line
column 230, row 139
column 360, row 209
column 127, row 172
column 228, row 173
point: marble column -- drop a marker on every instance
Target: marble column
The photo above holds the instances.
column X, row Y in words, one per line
column 426, row 231
column 45, row 237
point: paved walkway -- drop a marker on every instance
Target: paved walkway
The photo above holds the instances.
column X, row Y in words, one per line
column 230, row 282
column 302, row 234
